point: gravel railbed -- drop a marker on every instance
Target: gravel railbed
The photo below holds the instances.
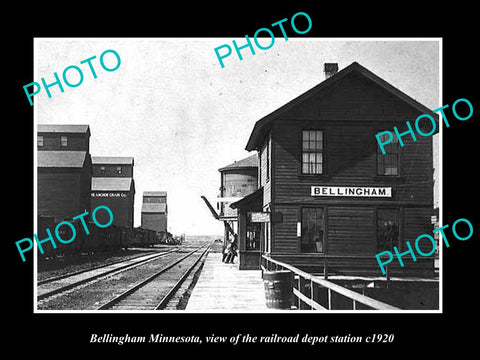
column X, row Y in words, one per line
column 91, row 296
column 65, row 265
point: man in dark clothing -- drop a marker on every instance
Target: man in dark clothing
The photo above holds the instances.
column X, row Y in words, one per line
column 230, row 251
column 224, row 252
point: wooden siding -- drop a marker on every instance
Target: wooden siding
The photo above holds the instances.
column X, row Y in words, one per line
column 286, row 240
column 353, row 98
column 154, row 221
column 266, row 180
column 111, row 170
column 60, row 193
column 121, row 207
column 75, row 142
column 357, row 266
column 351, row 230
column 417, row 222
column 349, row 160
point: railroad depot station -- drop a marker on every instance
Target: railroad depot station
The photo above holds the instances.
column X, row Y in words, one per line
column 326, row 198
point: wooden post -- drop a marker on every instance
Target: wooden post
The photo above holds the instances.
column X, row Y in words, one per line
column 301, row 288
column 242, row 238
column 325, row 268
column 311, row 292
column 329, row 293
column 317, row 294
column 387, row 274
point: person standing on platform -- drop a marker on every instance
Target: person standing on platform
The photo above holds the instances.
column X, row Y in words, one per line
column 225, row 252
column 232, row 251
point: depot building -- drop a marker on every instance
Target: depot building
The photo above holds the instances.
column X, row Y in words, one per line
column 328, row 199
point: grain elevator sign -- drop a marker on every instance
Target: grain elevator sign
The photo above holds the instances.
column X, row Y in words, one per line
column 351, row 191
column 108, row 194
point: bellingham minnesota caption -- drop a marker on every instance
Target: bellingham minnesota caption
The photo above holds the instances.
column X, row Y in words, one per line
column 241, row 339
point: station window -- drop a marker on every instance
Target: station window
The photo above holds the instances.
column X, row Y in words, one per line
column 40, row 141
column 312, row 152
column 313, row 230
column 253, row 236
column 388, row 164
column 387, row 229
column 63, row 141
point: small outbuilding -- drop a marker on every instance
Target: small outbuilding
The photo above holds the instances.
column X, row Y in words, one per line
column 154, row 211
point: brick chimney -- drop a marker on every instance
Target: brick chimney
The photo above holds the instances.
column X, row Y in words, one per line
column 330, row 69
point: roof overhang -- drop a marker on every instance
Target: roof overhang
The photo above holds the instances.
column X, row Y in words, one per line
column 250, row 200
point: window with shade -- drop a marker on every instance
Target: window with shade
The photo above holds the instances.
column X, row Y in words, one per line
column 388, row 164
column 312, row 152
column 313, row 230
column 387, row 229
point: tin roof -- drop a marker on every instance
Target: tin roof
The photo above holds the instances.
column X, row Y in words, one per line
column 111, row 183
column 114, row 160
column 249, row 162
column 61, row 159
column 62, row 128
column 247, row 201
column 154, row 208
column 154, row 193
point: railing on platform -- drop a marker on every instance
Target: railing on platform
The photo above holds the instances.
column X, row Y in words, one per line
column 310, row 290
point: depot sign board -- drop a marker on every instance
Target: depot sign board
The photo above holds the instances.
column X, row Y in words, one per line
column 351, row 191
column 265, row 217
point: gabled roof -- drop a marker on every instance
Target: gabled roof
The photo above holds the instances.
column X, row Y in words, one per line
column 63, row 128
column 249, row 162
column 260, row 126
column 61, row 159
column 111, row 184
column 112, row 160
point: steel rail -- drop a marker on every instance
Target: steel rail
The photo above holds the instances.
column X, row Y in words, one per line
column 94, row 277
column 75, row 273
column 163, row 303
column 134, row 288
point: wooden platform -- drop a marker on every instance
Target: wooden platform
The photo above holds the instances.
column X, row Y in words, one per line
column 223, row 288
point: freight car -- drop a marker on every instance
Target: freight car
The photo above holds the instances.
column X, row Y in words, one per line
column 99, row 240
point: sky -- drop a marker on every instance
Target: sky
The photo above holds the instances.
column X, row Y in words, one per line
column 172, row 107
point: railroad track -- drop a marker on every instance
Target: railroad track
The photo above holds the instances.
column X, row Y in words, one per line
column 56, row 285
column 155, row 292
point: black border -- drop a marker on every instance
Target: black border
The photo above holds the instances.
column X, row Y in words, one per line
column 53, row 334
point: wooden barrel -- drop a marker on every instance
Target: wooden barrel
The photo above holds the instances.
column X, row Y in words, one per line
column 278, row 289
